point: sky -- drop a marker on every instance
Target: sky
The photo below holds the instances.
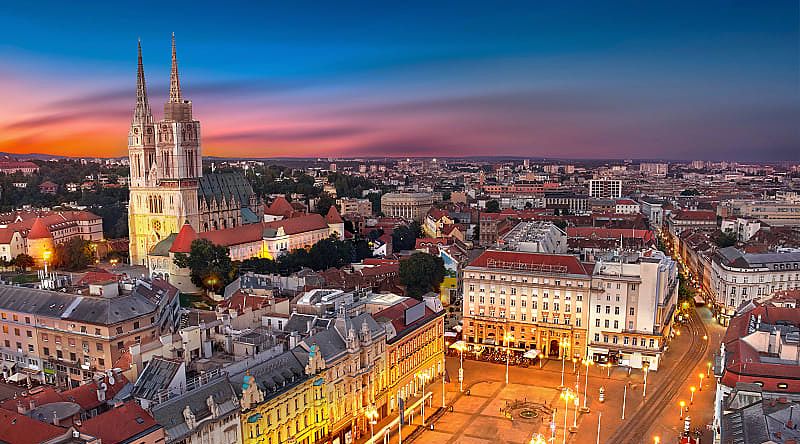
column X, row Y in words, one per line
column 666, row 79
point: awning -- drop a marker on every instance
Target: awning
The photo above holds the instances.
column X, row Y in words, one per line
column 602, row 351
column 17, row 377
column 450, row 334
column 530, row 354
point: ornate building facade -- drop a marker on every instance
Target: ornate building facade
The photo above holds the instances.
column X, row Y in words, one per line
column 167, row 183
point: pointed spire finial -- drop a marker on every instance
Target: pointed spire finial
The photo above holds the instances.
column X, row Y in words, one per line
column 142, row 113
column 174, row 81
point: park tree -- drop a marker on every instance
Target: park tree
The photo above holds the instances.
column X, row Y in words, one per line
column 404, row 237
column 210, row 265
column 492, row 206
column 324, row 203
column 725, row 239
column 74, row 254
column 23, row 262
column 421, row 273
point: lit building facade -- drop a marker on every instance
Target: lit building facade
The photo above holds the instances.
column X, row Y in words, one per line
column 541, row 300
column 412, row 206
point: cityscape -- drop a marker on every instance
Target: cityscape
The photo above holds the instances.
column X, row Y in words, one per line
column 517, row 223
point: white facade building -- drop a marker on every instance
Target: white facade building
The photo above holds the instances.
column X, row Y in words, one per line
column 632, row 301
column 605, row 188
column 535, row 237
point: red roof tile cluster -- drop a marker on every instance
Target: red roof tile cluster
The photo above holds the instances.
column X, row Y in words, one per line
column 94, row 277
column 743, row 362
column 396, row 315
column 20, row 429
column 563, row 263
column 183, row 241
column 39, row 230
column 301, row 224
column 279, row 207
column 333, row 216
column 123, row 423
column 84, row 395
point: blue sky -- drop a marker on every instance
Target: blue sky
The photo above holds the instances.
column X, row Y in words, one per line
column 716, row 80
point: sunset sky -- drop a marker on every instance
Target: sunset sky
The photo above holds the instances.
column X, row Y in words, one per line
column 674, row 80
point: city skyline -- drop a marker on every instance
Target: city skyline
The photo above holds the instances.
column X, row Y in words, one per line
column 714, row 82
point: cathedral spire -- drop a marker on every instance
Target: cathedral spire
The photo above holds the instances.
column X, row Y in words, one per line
column 142, row 113
column 174, row 81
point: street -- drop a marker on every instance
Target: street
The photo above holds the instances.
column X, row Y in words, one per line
column 494, row 412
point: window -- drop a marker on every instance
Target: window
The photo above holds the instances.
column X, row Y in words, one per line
column 29, row 333
column 631, row 311
column 608, row 309
column 634, row 341
column 616, row 324
column 597, row 337
column 598, row 309
column 597, row 322
column 652, row 343
column 119, row 330
column 136, row 325
column 30, row 348
column 99, row 346
column 606, row 323
column 616, row 310
column 120, row 345
column 46, row 351
column 625, row 340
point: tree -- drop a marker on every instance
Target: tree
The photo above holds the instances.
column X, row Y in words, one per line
column 492, row 206
column 725, row 239
column 421, row 273
column 324, row 203
column 210, row 265
column 23, row 262
column 362, row 250
column 690, row 192
column 74, row 254
column 561, row 224
column 404, row 238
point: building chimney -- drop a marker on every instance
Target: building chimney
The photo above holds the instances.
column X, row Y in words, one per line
column 293, row 337
column 32, row 403
column 55, row 419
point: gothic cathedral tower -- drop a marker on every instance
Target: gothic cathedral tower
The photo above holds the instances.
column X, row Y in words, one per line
column 166, row 166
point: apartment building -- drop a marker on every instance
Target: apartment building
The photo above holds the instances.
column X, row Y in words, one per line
column 605, row 188
column 541, row 300
column 633, row 296
column 64, row 339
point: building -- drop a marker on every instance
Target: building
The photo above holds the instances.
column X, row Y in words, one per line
column 208, row 413
column 167, row 185
column 48, row 187
column 37, row 232
column 351, row 207
column 541, row 300
column 64, row 339
column 633, row 298
column 653, row 210
column 435, row 222
column 414, row 347
column 411, row 206
column 566, row 202
column 605, row 188
column 10, row 166
column 626, row 206
column 744, row 229
column 784, row 211
column 492, row 226
column 353, row 350
column 535, row 237
column 284, row 399
column 738, row 277
column 758, row 362
column 680, row 220
column 654, row 169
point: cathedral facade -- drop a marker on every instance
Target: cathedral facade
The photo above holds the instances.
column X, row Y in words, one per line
column 167, row 186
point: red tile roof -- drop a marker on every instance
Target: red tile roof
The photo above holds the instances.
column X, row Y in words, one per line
column 333, row 216
column 93, row 277
column 556, row 263
column 20, row 429
column 279, row 207
column 39, row 230
column 183, row 241
column 122, row 423
column 705, row 215
column 396, row 315
column 308, row 222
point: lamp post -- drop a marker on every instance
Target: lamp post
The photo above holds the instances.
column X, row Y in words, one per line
column 460, row 346
column 541, row 360
column 656, row 440
column 682, row 404
column 371, row 414
column 702, row 375
column 508, row 337
column 587, row 362
column 423, row 377
column 691, row 399
column 646, row 368
column 45, row 257
column 562, row 345
column 567, row 396
column 708, row 369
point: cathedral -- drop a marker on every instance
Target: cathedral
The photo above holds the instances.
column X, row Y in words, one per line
column 167, row 186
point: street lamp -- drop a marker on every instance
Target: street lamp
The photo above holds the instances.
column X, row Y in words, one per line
column 708, row 369
column 702, row 375
column 507, row 337
column 567, row 396
column 656, row 440
column 692, row 389
column 46, row 256
column 541, row 360
column 423, row 377
column 372, row 415
column 587, row 362
column 460, row 346
column 562, row 345
column 646, row 368
column 682, row 405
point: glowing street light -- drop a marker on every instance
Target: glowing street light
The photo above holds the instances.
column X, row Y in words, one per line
column 692, row 389
column 656, row 440
column 701, row 375
column 538, row 439
column 562, row 345
column 708, row 370
column 371, row 414
column 587, row 362
column 423, row 377
column 507, row 337
column 460, row 346
column 646, row 368
column 46, row 254
column 682, row 404
column 567, row 396
column 541, row 360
